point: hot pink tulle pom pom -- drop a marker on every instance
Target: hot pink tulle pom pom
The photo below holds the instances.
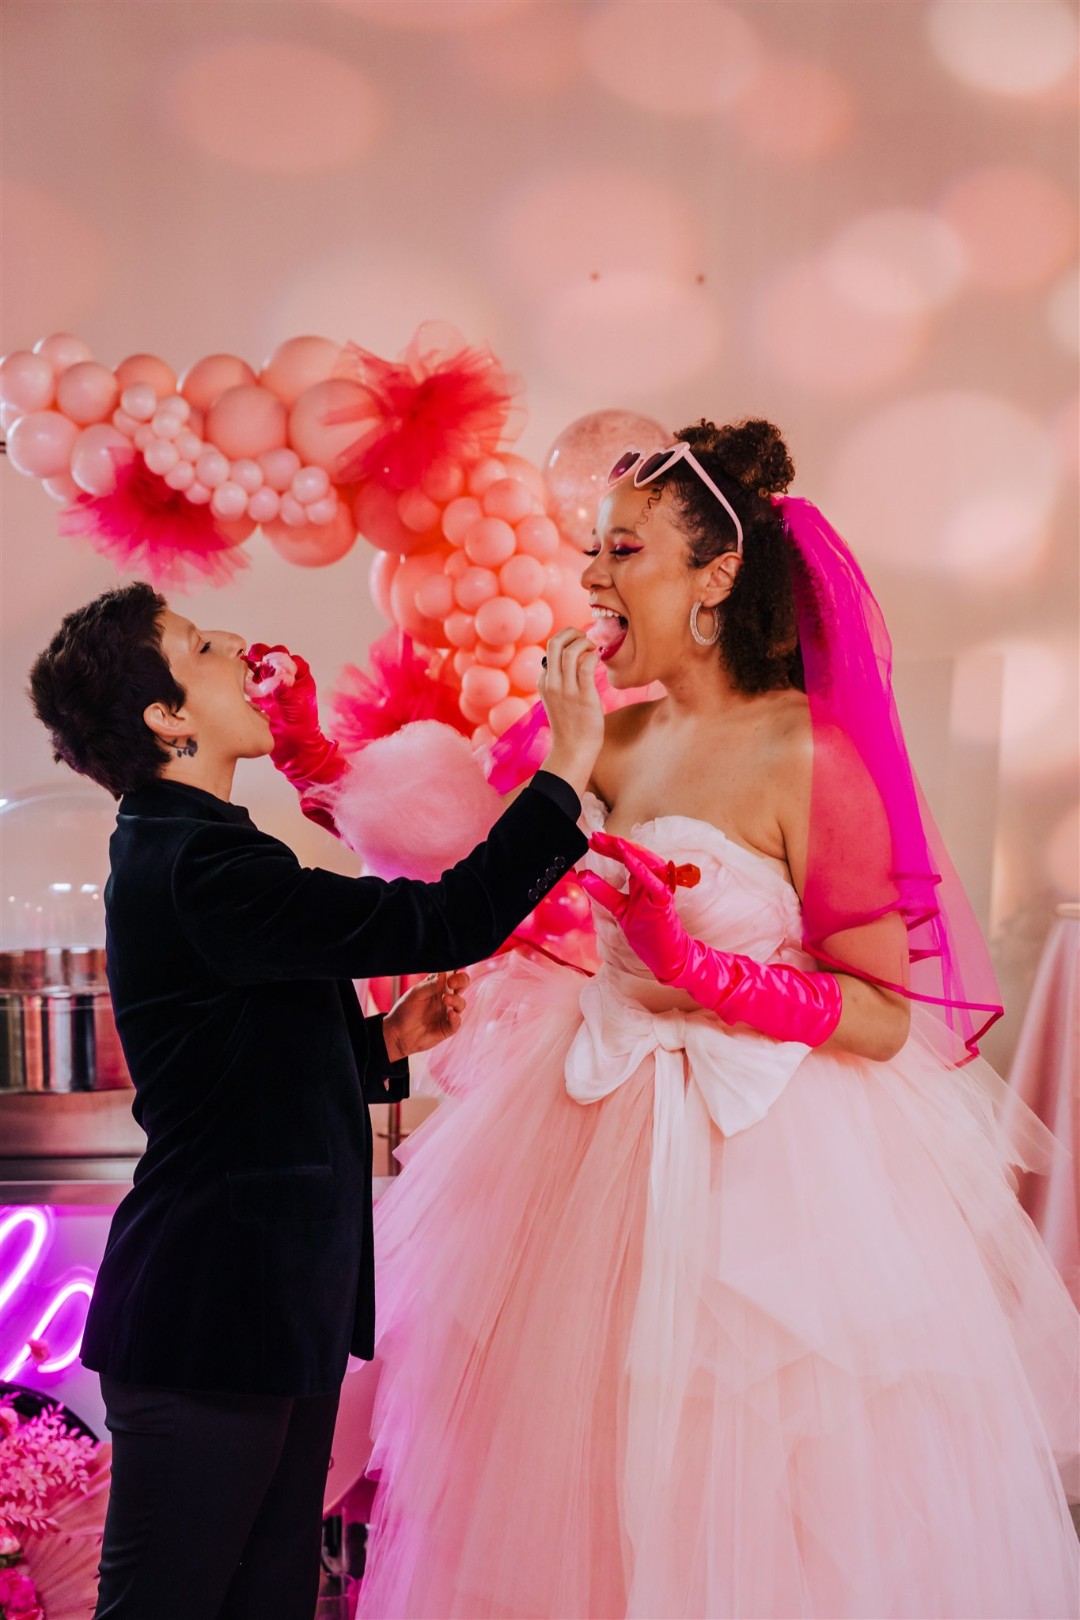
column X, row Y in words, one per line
column 400, row 688
column 147, row 527
column 440, row 402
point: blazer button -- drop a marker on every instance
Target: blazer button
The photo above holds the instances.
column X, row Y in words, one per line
column 559, row 863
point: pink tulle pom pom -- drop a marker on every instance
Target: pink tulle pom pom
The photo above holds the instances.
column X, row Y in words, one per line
column 385, row 809
column 399, row 689
column 154, row 530
column 441, row 403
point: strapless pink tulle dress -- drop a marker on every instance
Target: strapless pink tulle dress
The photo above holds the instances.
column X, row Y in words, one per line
column 680, row 1321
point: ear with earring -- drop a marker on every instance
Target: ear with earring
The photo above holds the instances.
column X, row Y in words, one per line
column 704, row 641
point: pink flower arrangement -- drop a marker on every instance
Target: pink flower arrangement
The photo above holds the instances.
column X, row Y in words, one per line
column 41, row 1464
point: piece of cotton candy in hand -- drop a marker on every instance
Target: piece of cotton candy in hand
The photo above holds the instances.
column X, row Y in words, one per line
column 272, row 671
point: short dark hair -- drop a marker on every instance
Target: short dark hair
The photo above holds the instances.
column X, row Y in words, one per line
column 93, row 681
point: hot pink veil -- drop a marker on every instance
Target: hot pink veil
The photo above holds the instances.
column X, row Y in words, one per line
column 874, row 852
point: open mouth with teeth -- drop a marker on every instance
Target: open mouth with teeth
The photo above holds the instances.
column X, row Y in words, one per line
column 607, row 631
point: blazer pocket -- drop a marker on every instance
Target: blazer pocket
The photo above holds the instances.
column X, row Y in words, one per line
column 303, row 1193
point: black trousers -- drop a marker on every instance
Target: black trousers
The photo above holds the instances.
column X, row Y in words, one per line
column 215, row 1506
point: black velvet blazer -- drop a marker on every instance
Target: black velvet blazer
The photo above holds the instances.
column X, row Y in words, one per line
column 241, row 1260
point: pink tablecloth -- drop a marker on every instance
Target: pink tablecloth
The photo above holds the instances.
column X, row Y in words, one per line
column 1046, row 1076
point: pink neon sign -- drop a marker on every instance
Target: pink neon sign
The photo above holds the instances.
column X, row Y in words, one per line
column 27, row 1233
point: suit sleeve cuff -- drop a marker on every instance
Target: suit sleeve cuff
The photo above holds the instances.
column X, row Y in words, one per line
column 384, row 1081
column 559, row 792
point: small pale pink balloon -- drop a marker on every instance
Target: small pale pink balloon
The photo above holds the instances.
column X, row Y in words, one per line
column 246, row 421
column 40, row 444
column 181, row 477
column 87, row 392
column 62, row 350
column 212, row 468
column 490, row 542
column 525, row 668
column 279, row 467
column 139, row 401
column 483, row 687
column 143, row 435
column 298, row 364
column 460, row 630
column 248, row 474
column 161, row 456
column 322, row 510
column 376, row 513
column 418, row 511
column 316, row 545
column 166, row 425
column 494, row 656
column 476, row 585
column 98, row 452
column 460, row 516
column 229, row 500
column 62, row 488
column 264, row 504
column 435, row 596
column 475, row 713
column 522, row 577
column 27, row 381
column 147, row 368
column 529, row 474
column 539, row 621
column 123, row 423
column 209, row 377
column 500, row 621
column 510, row 499
column 482, row 474
column 198, row 494
column 462, row 660
column 310, row 484
column 175, row 405
column 577, row 465
column 482, row 736
column 319, row 440
column 189, row 445
column 563, row 592
column 456, row 564
column 430, row 632
column 538, row 537
column 505, row 713
column 293, row 514
column 444, row 480
column 380, row 577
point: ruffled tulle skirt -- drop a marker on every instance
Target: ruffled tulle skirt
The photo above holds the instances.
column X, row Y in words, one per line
column 818, row 1368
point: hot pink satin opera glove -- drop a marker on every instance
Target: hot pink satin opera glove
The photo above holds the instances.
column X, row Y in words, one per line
column 780, row 1001
column 301, row 752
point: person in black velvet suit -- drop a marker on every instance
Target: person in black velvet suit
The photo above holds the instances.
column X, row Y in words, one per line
column 238, row 1274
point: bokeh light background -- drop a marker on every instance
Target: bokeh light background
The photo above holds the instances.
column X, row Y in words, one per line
column 858, row 217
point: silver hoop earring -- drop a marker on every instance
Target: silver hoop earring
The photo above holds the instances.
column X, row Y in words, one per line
column 704, row 641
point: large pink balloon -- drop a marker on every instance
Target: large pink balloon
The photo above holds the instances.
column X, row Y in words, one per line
column 99, row 451
column 207, row 378
column 63, row 349
column 413, row 573
column 246, row 421
column 87, row 392
column 379, row 521
column 27, row 381
column 297, row 364
column 40, row 444
column 147, row 368
column 313, row 545
column 577, row 465
column 318, row 441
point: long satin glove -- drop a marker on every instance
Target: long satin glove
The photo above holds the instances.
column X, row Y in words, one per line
column 780, row 1001
column 301, row 752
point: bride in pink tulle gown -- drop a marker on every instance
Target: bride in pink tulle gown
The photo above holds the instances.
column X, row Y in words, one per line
column 706, row 1292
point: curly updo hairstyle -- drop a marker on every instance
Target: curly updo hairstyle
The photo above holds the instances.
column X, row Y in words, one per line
column 749, row 461
column 92, row 683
